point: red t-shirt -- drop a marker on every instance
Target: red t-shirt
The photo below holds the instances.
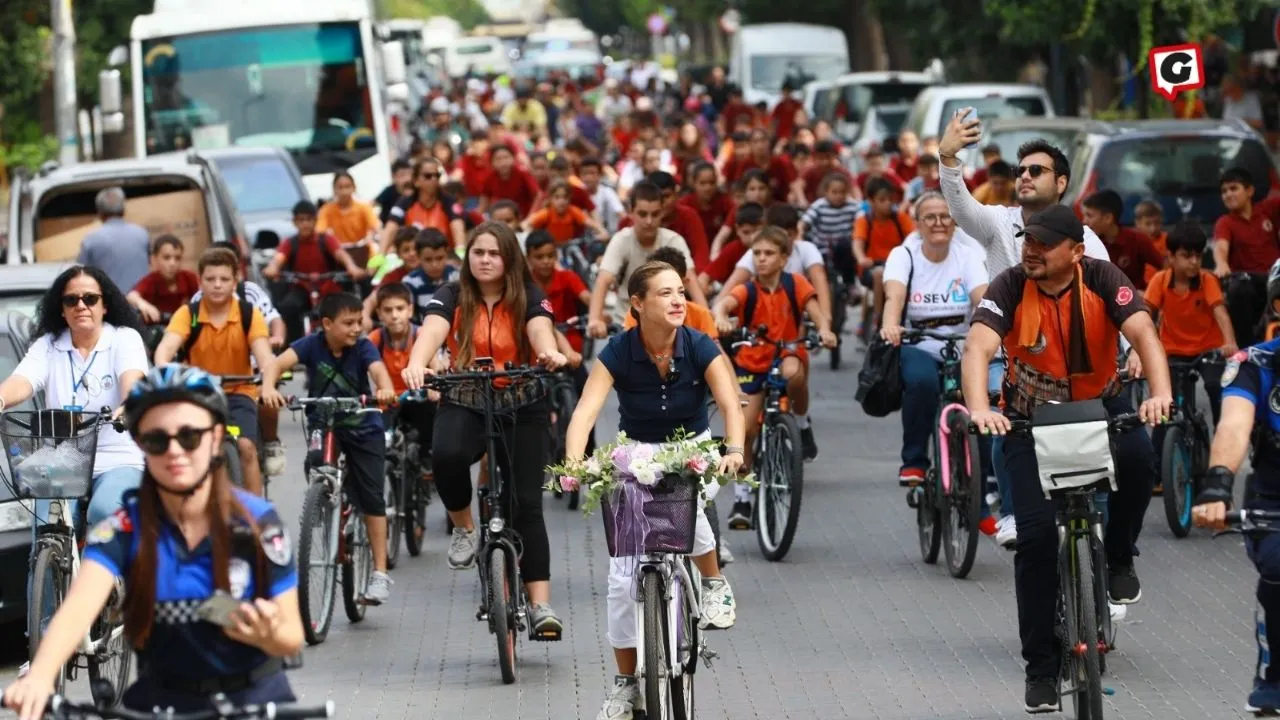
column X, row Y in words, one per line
column 623, row 140
column 311, row 256
column 154, row 289
column 474, row 171
column 814, row 176
column 563, row 292
column 1254, row 245
column 781, row 174
column 518, row 187
column 685, row 223
column 734, row 169
column 784, row 117
column 718, row 213
column 903, row 169
column 722, row 267
column 733, row 111
column 1132, row 251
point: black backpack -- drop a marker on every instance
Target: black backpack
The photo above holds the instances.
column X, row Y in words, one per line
column 246, row 321
column 329, row 259
column 788, row 286
column 880, row 379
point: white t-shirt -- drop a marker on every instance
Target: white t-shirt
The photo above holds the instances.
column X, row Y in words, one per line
column 609, row 207
column 624, row 254
column 67, row 379
column 939, row 292
column 1247, row 108
column 959, row 237
column 804, row 255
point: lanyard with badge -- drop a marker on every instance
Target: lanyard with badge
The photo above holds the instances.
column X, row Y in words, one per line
column 78, row 384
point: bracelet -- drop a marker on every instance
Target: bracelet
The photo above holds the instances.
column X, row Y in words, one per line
column 731, row 449
column 944, row 156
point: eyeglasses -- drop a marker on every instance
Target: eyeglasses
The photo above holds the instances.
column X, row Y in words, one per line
column 935, row 219
column 430, row 176
column 1033, row 170
column 156, row 442
column 89, row 300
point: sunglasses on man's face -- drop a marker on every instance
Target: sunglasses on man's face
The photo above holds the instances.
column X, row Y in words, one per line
column 156, row 442
column 430, row 176
column 1033, row 170
column 89, row 300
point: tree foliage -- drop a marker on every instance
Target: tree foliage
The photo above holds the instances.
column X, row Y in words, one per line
column 468, row 13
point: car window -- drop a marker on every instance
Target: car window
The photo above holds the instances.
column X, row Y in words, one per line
column 857, row 98
column 1180, row 173
column 260, row 184
column 990, row 108
column 24, row 303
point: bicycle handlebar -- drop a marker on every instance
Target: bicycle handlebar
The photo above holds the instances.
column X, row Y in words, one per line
column 102, row 417
column 1247, row 518
column 580, row 323
column 61, row 708
column 916, row 334
column 254, row 379
column 355, row 406
column 760, row 336
column 470, row 376
column 1116, row 423
column 291, row 276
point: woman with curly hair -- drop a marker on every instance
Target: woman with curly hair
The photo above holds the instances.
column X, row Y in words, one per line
column 86, row 355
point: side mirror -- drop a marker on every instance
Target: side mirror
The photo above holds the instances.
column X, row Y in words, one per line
column 118, row 56
column 393, row 69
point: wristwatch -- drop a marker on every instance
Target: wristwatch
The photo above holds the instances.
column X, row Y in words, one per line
column 731, row 449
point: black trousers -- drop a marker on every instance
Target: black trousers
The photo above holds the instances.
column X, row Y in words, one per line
column 459, row 441
column 1246, row 301
column 293, row 302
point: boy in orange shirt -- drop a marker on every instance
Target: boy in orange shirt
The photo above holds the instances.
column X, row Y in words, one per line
column 779, row 300
column 1148, row 219
column 1192, row 314
column 875, row 233
column 561, row 219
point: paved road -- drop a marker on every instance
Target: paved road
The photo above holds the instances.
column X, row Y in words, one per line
column 851, row 625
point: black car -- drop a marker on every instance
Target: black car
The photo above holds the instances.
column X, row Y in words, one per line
column 15, row 515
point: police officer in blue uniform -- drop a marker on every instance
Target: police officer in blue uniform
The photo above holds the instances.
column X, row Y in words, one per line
column 1251, row 415
column 211, row 604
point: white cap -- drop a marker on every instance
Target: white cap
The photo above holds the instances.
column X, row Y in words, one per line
column 440, row 105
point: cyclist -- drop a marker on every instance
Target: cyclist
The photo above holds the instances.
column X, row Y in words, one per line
column 564, row 221
column 168, row 286
column 429, row 207
column 407, row 254
column 493, row 310
column 697, row 316
column 1245, row 240
column 662, row 373
column 829, row 222
column 805, row 258
column 239, row 545
column 1249, row 419
column 348, row 219
column 1131, row 251
column 714, row 207
column 86, row 355
column 882, row 228
column 748, row 218
column 215, row 335
column 775, row 298
column 1058, row 317
column 340, row 363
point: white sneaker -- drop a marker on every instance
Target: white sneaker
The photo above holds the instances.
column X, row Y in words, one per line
column 621, row 701
column 718, row 610
column 726, row 555
column 1006, row 532
column 273, row 458
column 1118, row 612
column 379, row 588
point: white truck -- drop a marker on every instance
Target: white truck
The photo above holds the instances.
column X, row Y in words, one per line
column 308, row 76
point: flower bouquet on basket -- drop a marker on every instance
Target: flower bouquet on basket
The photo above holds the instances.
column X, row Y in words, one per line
column 649, row 494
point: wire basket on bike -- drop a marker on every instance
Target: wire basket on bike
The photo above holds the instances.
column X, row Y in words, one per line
column 507, row 397
column 661, row 518
column 50, row 452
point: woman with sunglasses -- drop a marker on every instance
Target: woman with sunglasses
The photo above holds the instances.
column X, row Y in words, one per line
column 211, row 602
column 427, row 207
column 86, row 355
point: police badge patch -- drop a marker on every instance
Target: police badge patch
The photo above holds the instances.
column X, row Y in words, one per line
column 102, row 533
column 238, row 574
column 276, row 545
column 1230, row 371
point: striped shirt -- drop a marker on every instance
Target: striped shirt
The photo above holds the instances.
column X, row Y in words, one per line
column 827, row 224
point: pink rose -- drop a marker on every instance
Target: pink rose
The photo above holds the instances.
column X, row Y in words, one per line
column 697, row 464
column 568, row 483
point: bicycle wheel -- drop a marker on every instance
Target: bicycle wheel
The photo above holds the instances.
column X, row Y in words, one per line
column 113, row 658
column 235, row 471
column 658, row 696
column 414, row 515
column 395, row 518
column 781, row 479
column 687, row 646
column 356, row 568
column 1177, row 478
column 1088, row 665
column 963, row 506
column 839, row 309
column 49, row 588
column 317, row 558
column 928, row 518
column 501, row 601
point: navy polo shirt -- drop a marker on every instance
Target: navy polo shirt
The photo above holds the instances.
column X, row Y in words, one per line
column 345, row 375
column 652, row 408
column 182, row 645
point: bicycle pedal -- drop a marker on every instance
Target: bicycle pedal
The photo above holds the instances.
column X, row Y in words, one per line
column 913, row 498
column 553, row 635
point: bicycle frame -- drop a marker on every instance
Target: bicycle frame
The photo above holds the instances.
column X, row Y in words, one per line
column 681, row 583
column 61, row 533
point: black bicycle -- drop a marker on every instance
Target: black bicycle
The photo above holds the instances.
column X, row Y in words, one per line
column 60, row 708
column 504, row 604
column 230, row 447
column 1184, row 454
column 408, row 494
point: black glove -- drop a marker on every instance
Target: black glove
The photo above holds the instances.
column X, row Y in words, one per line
column 1216, row 486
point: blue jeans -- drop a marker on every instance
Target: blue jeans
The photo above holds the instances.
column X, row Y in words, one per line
column 921, row 390
column 995, row 380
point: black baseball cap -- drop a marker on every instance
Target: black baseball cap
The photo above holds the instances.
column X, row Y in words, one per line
column 1053, row 225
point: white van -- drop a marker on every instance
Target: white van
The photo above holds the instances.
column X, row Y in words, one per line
column 765, row 56
column 479, row 54
column 935, row 105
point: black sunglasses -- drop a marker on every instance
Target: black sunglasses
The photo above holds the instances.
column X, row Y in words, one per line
column 89, row 299
column 1033, row 170
column 429, row 176
column 156, row 442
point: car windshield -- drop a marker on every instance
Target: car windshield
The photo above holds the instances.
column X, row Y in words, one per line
column 301, row 87
column 473, row 49
column 1180, row 172
column 889, row 122
column 990, row 108
column 857, row 98
column 260, row 184
column 768, row 72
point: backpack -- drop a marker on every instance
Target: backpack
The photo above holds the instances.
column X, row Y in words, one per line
column 382, row 337
column 329, row 259
column 246, row 321
column 880, row 379
column 788, row 286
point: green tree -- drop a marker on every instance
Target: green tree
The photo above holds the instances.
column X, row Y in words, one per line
column 25, row 40
column 468, row 13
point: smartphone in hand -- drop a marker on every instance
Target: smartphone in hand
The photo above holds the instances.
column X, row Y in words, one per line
column 218, row 609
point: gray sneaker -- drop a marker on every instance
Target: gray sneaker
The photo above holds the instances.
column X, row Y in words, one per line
column 718, row 612
column 273, row 458
column 545, row 624
column 462, row 548
column 379, row 588
column 621, row 702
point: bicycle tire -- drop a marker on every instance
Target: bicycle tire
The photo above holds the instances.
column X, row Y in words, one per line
column 1176, row 477
column 658, row 698
column 101, row 669
column 235, row 470
column 356, row 569
column 928, row 517
column 1089, row 670
column 775, row 542
column 395, row 517
column 687, row 641
column 47, row 565
column 500, row 621
column 317, row 515
column 964, row 504
column 414, row 515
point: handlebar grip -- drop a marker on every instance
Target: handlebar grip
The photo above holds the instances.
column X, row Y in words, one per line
column 1235, row 517
column 320, row 711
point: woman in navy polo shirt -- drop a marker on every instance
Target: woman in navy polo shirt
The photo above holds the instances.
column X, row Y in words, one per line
column 183, row 536
column 662, row 372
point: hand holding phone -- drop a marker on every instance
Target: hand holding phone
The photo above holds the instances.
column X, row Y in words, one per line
column 962, row 131
column 219, row 609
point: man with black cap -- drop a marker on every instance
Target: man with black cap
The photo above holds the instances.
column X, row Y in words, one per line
column 1058, row 316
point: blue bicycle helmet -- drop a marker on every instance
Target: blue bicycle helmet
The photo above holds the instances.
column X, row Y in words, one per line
column 175, row 383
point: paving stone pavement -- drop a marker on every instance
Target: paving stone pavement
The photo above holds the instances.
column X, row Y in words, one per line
column 851, row 625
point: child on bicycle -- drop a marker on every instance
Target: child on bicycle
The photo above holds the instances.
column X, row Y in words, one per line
column 168, row 286
column 434, row 269
column 747, row 221
column 339, row 363
column 568, row 295
column 220, row 334
column 564, row 221
column 882, row 228
column 506, row 212
column 307, row 252
column 774, row 299
column 406, row 247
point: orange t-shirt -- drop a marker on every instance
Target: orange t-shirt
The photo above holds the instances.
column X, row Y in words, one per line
column 561, row 227
column 1161, row 242
column 1187, row 325
column 396, row 358
column 696, row 317
column 350, row 225
column 225, row 349
column 882, row 235
column 773, row 309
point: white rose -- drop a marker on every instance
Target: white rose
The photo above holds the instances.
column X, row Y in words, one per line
column 646, row 474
